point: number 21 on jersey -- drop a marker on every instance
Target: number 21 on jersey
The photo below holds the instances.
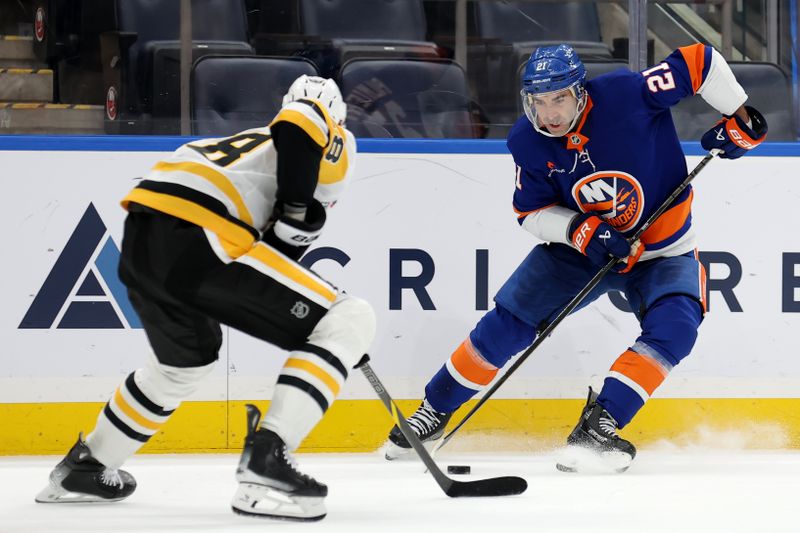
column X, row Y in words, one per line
column 659, row 78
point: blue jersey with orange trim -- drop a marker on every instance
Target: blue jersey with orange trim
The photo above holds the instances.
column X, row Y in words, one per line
column 624, row 158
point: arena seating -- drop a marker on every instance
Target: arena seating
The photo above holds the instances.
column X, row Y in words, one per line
column 330, row 32
column 408, row 98
column 768, row 90
column 231, row 94
column 141, row 68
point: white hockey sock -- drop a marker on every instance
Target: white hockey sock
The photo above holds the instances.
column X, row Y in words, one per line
column 138, row 408
column 126, row 423
column 307, row 385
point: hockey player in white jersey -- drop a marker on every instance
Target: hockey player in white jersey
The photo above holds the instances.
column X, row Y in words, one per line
column 213, row 236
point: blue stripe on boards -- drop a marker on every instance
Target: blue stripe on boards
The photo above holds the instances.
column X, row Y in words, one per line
column 128, row 143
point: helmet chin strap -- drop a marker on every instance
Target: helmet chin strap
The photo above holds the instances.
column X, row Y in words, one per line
column 579, row 107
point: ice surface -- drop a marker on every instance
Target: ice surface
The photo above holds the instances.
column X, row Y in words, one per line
column 664, row 491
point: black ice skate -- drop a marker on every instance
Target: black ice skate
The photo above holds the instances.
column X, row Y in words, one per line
column 594, row 446
column 426, row 422
column 269, row 484
column 79, row 477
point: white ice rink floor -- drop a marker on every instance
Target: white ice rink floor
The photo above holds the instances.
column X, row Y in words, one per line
column 664, row 491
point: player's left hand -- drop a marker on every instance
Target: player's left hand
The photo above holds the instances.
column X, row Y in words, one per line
column 734, row 137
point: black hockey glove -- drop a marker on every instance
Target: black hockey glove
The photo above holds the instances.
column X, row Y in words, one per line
column 292, row 237
column 734, row 137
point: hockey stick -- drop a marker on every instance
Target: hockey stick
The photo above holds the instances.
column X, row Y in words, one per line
column 577, row 299
column 496, row 486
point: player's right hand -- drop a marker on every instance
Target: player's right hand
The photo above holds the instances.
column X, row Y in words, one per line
column 292, row 237
column 733, row 137
column 598, row 241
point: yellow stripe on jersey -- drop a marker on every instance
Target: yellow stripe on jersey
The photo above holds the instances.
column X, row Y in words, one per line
column 315, row 371
column 219, row 180
column 134, row 415
column 291, row 271
column 304, row 122
column 239, row 239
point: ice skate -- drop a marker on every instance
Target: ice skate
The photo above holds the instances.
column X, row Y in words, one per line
column 426, row 422
column 79, row 477
column 594, row 446
column 270, row 485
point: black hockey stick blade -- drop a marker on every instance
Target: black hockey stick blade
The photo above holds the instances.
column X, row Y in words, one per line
column 498, row 486
column 493, row 486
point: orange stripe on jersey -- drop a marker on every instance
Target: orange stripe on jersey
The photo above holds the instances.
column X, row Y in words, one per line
column 469, row 363
column 669, row 222
column 694, row 56
column 642, row 369
column 702, row 281
column 523, row 214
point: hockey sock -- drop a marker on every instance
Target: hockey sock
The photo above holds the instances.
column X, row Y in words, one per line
column 474, row 364
column 138, row 408
column 669, row 330
column 125, row 424
column 307, row 385
column 464, row 374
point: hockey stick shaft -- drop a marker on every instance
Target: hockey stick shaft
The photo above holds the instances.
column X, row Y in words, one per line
column 577, row 299
column 502, row 486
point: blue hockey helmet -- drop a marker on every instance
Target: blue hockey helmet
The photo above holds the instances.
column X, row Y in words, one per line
column 551, row 69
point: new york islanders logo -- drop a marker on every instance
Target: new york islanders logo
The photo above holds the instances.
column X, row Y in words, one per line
column 614, row 196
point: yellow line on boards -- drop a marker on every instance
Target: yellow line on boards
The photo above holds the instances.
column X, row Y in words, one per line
column 362, row 425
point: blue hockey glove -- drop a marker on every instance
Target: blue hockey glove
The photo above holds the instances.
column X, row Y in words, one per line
column 734, row 137
column 598, row 241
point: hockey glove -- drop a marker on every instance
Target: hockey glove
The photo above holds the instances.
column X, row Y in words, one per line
column 292, row 237
column 734, row 137
column 598, row 241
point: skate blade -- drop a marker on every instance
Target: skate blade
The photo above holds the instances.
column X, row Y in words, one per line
column 51, row 494
column 577, row 459
column 392, row 451
column 261, row 501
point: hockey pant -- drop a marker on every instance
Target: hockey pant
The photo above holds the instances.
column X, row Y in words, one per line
column 183, row 286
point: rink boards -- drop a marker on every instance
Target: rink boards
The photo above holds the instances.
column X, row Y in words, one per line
column 426, row 233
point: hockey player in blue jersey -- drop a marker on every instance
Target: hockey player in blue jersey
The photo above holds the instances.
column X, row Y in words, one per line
column 593, row 161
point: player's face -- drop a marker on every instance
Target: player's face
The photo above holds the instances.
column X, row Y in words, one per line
column 555, row 111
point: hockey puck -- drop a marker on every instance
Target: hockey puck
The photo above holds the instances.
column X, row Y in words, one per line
column 458, row 469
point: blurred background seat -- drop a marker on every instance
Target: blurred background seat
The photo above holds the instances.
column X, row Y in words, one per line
column 502, row 35
column 330, row 32
column 141, row 67
column 231, row 94
column 408, row 98
column 768, row 90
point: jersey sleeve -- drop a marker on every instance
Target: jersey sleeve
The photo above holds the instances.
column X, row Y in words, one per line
column 309, row 116
column 532, row 193
column 680, row 75
column 298, row 163
column 690, row 70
